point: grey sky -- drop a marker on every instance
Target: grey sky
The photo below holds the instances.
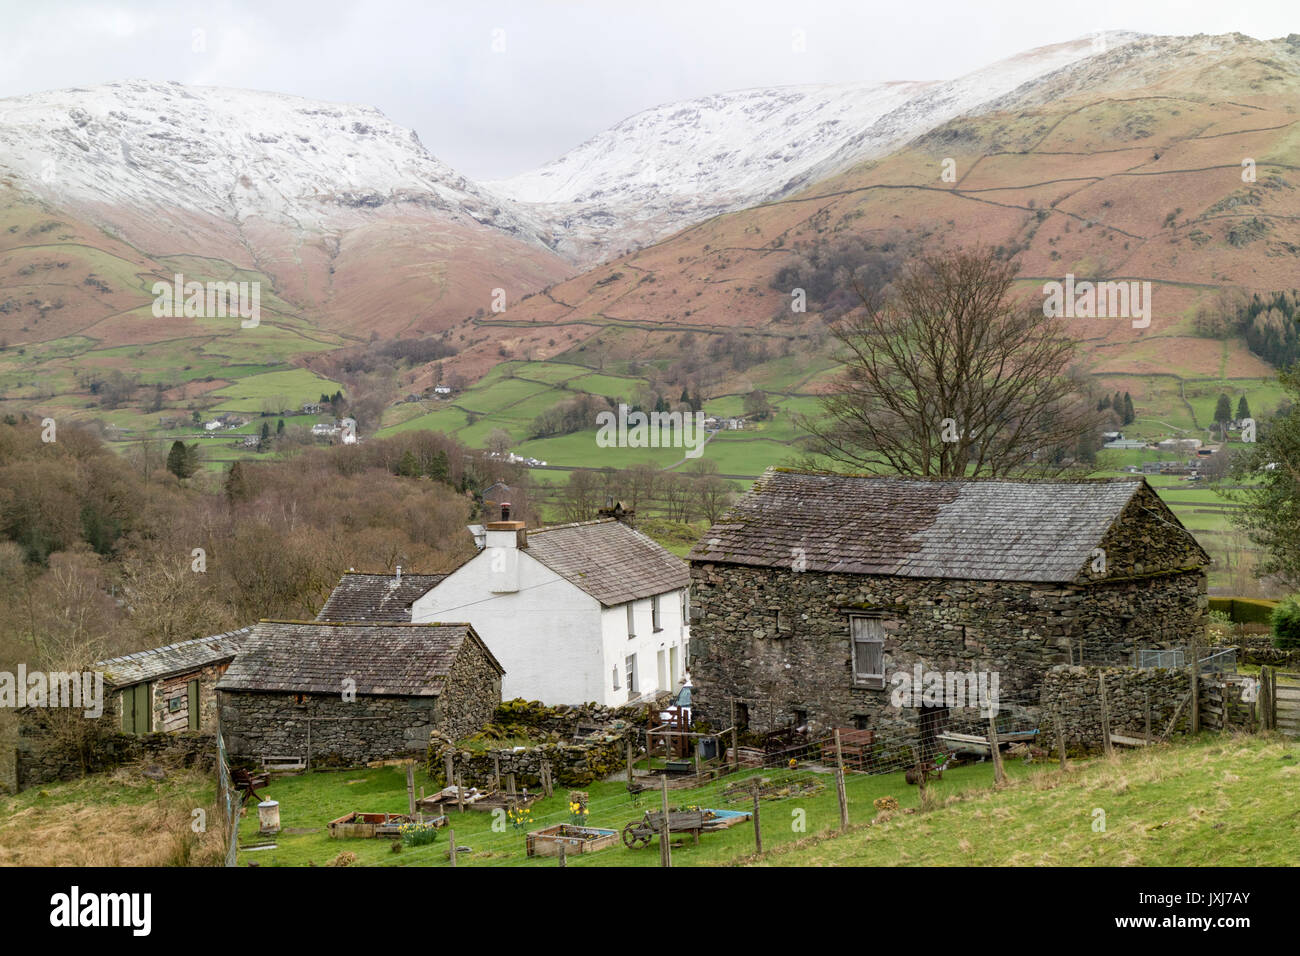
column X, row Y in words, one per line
column 569, row 69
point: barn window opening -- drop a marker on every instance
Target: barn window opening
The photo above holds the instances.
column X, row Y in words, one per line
column 868, row 651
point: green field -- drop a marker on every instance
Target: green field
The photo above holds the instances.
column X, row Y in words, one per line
column 293, row 387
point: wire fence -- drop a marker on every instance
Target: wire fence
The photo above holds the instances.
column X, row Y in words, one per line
column 780, row 782
column 229, row 802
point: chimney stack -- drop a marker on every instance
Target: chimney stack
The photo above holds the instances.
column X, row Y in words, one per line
column 504, row 539
column 399, row 574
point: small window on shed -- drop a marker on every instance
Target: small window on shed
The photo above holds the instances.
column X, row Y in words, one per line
column 868, row 651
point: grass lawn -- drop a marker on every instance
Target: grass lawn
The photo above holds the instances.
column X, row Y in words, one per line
column 1218, row 800
column 309, row 801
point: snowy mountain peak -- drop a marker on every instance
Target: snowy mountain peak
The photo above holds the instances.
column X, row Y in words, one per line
column 231, row 154
column 678, row 163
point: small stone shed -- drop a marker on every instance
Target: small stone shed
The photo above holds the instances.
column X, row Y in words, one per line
column 815, row 590
column 173, row 688
column 347, row 693
column 376, row 597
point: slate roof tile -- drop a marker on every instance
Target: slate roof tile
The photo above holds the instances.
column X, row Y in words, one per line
column 607, row 559
column 967, row 530
column 315, row 657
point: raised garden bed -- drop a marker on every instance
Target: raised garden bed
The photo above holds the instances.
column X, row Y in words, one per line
column 446, row 800
column 573, row 838
column 364, row 826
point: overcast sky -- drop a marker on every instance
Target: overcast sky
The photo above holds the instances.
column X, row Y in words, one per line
column 564, row 69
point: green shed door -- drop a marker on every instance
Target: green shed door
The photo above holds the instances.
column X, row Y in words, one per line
column 136, row 709
column 193, row 692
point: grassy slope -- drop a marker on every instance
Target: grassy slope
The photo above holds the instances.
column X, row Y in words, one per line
column 1218, row 801
column 118, row 818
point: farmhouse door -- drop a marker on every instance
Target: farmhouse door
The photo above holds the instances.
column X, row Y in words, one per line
column 192, row 691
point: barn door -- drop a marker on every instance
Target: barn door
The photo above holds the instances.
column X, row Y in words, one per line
column 136, row 709
column 193, row 693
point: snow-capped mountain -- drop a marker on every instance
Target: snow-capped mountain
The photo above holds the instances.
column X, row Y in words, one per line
column 233, row 155
column 676, row 164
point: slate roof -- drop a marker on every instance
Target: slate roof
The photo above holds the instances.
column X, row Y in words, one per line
column 969, row 530
column 607, row 559
column 179, row 658
column 375, row 597
column 314, row 657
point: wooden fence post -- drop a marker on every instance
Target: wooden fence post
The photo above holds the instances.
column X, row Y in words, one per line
column 1106, row 744
column 447, row 766
column 460, row 792
column 451, row 839
column 840, row 791
column 999, row 775
column 629, row 763
column 735, row 739
column 1060, row 737
column 1196, row 685
column 665, row 850
column 410, row 788
column 563, row 861
column 758, row 830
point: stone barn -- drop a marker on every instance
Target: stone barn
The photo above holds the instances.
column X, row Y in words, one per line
column 340, row 694
column 816, row 591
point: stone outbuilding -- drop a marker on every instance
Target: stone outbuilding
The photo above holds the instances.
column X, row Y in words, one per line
column 816, row 591
column 173, row 688
column 341, row 694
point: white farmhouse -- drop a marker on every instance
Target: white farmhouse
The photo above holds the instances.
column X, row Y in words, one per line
column 591, row 611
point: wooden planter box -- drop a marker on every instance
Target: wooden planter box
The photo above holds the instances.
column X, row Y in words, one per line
column 363, row 826
column 573, row 838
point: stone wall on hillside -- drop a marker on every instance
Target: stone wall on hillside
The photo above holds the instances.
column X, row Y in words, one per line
column 42, row 756
column 1074, row 693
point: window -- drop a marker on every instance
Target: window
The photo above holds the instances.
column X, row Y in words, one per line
column 615, row 674
column 631, row 619
column 868, row 651
column 629, row 665
column 654, row 614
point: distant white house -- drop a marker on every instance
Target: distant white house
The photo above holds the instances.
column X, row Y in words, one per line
column 345, row 429
column 212, row 425
column 592, row 611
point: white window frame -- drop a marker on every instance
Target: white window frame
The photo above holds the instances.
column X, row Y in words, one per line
column 630, row 665
column 631, row 620
column 656, row 623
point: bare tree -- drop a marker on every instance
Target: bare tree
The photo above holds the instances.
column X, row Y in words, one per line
column 947, row 377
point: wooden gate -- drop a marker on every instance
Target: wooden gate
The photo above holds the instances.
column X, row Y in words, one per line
column 1287, row 704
